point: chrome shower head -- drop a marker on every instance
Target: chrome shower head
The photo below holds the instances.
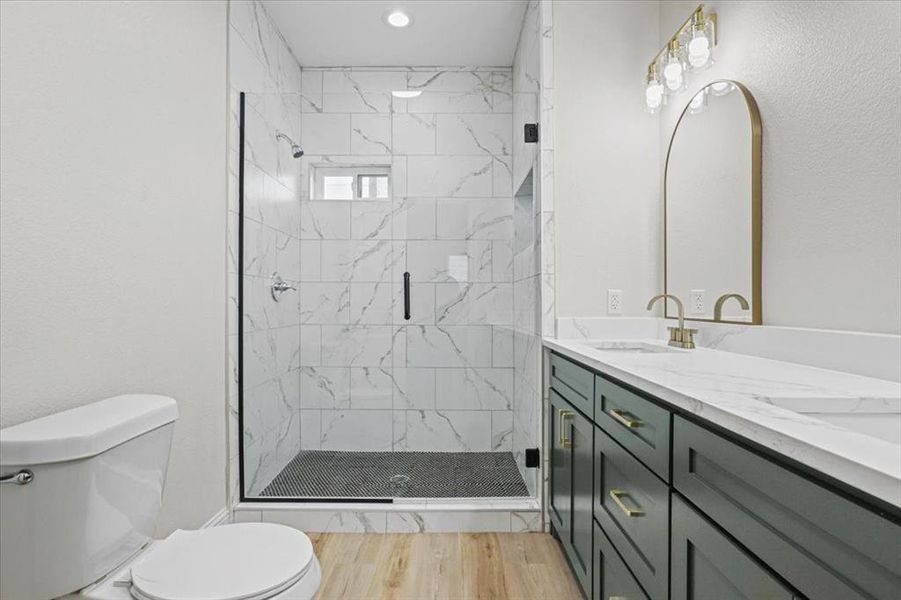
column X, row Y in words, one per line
column 296, row 151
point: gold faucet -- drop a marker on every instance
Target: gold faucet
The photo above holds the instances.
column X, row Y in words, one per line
column 679, row 337
column 718, row 307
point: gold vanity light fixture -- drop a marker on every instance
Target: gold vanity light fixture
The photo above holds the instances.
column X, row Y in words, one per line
column 689, row 49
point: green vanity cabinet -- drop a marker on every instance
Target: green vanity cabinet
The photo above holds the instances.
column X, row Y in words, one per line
column 570, row 502
column 706, row 565
column 825, row 545
column 651, row 503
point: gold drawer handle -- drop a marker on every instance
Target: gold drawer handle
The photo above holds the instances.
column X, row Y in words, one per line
column 622, row 418
column 630, row 512
column 562, row 415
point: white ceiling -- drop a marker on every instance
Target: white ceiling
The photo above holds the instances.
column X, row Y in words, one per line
column 341, row 33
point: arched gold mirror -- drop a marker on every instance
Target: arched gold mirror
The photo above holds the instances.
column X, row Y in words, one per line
column 712, row 207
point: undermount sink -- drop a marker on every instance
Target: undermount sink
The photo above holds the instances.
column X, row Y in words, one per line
column 631, row 347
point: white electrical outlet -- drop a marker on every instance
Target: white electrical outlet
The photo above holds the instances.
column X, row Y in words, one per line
column 696, row 304
column 614, row 302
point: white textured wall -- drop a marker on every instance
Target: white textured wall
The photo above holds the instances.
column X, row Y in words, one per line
column 607, row 158
column 112, row 221
column 827, row 78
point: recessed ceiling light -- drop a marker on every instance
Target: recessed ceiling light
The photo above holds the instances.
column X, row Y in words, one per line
column 405, row 93
column 398, row 18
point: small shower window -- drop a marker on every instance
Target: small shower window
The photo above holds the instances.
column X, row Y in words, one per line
column 350, row 183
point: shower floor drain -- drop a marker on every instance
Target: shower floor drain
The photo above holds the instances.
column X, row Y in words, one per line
column 321, row 474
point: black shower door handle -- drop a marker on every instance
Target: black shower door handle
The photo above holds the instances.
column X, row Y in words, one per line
column 407, row 296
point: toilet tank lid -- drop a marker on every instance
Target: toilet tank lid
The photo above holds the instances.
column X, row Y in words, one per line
column 84, row 431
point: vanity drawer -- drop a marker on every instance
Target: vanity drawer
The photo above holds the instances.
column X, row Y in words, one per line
column 612, row 578
column 822, row 544
column 632, row 506
column 574, row 382
column 638, row 424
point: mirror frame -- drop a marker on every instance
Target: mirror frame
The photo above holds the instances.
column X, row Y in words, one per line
column 756, row 207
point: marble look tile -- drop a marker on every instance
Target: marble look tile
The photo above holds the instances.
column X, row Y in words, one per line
column 369, row 430
column 525, row 521
column 328, row 521
column 475, row 101
column 326, row 133
column 310, row 345
column 449, row 81
column 310, row 260
column 475, row 218
column 287, row 257
column 502, row 431
column 414, row 219
column 448, row 431
column 502, row 261
column 356, row 102
column 449, row 261
column 371, row 387
column 473, row 303
column 310, row 431
column 447, row 176
column 260, row 351
column 370, row 134
column 502, row 176
column 357, row 346
column 260, row 244
column 502, row 346
column 414, row 133
column 324, row 387
column 357, row 260
column 502, row 91
column 325, row 220
column 474, row 389
column 449, row 346
column 371, row 220
column 311, row 90
column 324, row 303
column 372, row 303
column 414, row 388
column 489, row 134
column 348, row 80
column 448, row 521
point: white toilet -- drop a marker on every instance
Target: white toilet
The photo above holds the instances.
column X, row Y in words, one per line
column 80, row 496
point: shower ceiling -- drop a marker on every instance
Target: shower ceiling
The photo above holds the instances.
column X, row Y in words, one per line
column 337, row 33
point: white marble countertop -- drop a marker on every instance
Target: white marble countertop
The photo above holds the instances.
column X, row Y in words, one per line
column 748, row 395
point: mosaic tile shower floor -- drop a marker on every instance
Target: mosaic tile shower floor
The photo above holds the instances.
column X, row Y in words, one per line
column 328, row 474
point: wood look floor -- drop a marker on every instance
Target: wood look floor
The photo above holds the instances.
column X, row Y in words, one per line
column 423, row 566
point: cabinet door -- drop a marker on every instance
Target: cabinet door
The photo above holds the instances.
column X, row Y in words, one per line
column 612, row 579
column 560, row 484
column 706, row 565
column 581, row 432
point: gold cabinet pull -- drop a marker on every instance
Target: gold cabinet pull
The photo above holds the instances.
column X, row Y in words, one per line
column 562, row 415
column 623, row 419
column 615, row 495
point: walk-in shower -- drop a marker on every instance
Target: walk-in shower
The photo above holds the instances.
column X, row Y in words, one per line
column 388, row 295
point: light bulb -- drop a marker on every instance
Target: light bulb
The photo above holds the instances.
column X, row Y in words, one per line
column 699, row 50
column 397, row 19
column 674, row 71
column 653, row 95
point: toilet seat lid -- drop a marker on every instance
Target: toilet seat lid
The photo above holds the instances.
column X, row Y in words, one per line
column 243, row 561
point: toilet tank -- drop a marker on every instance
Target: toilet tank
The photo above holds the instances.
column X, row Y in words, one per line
column 97, row 485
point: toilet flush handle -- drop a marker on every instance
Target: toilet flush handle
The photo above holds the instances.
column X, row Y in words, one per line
column 21, row 478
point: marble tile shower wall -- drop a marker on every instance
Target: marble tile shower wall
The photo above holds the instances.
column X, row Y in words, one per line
column 262, row 66
column 444, row 380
